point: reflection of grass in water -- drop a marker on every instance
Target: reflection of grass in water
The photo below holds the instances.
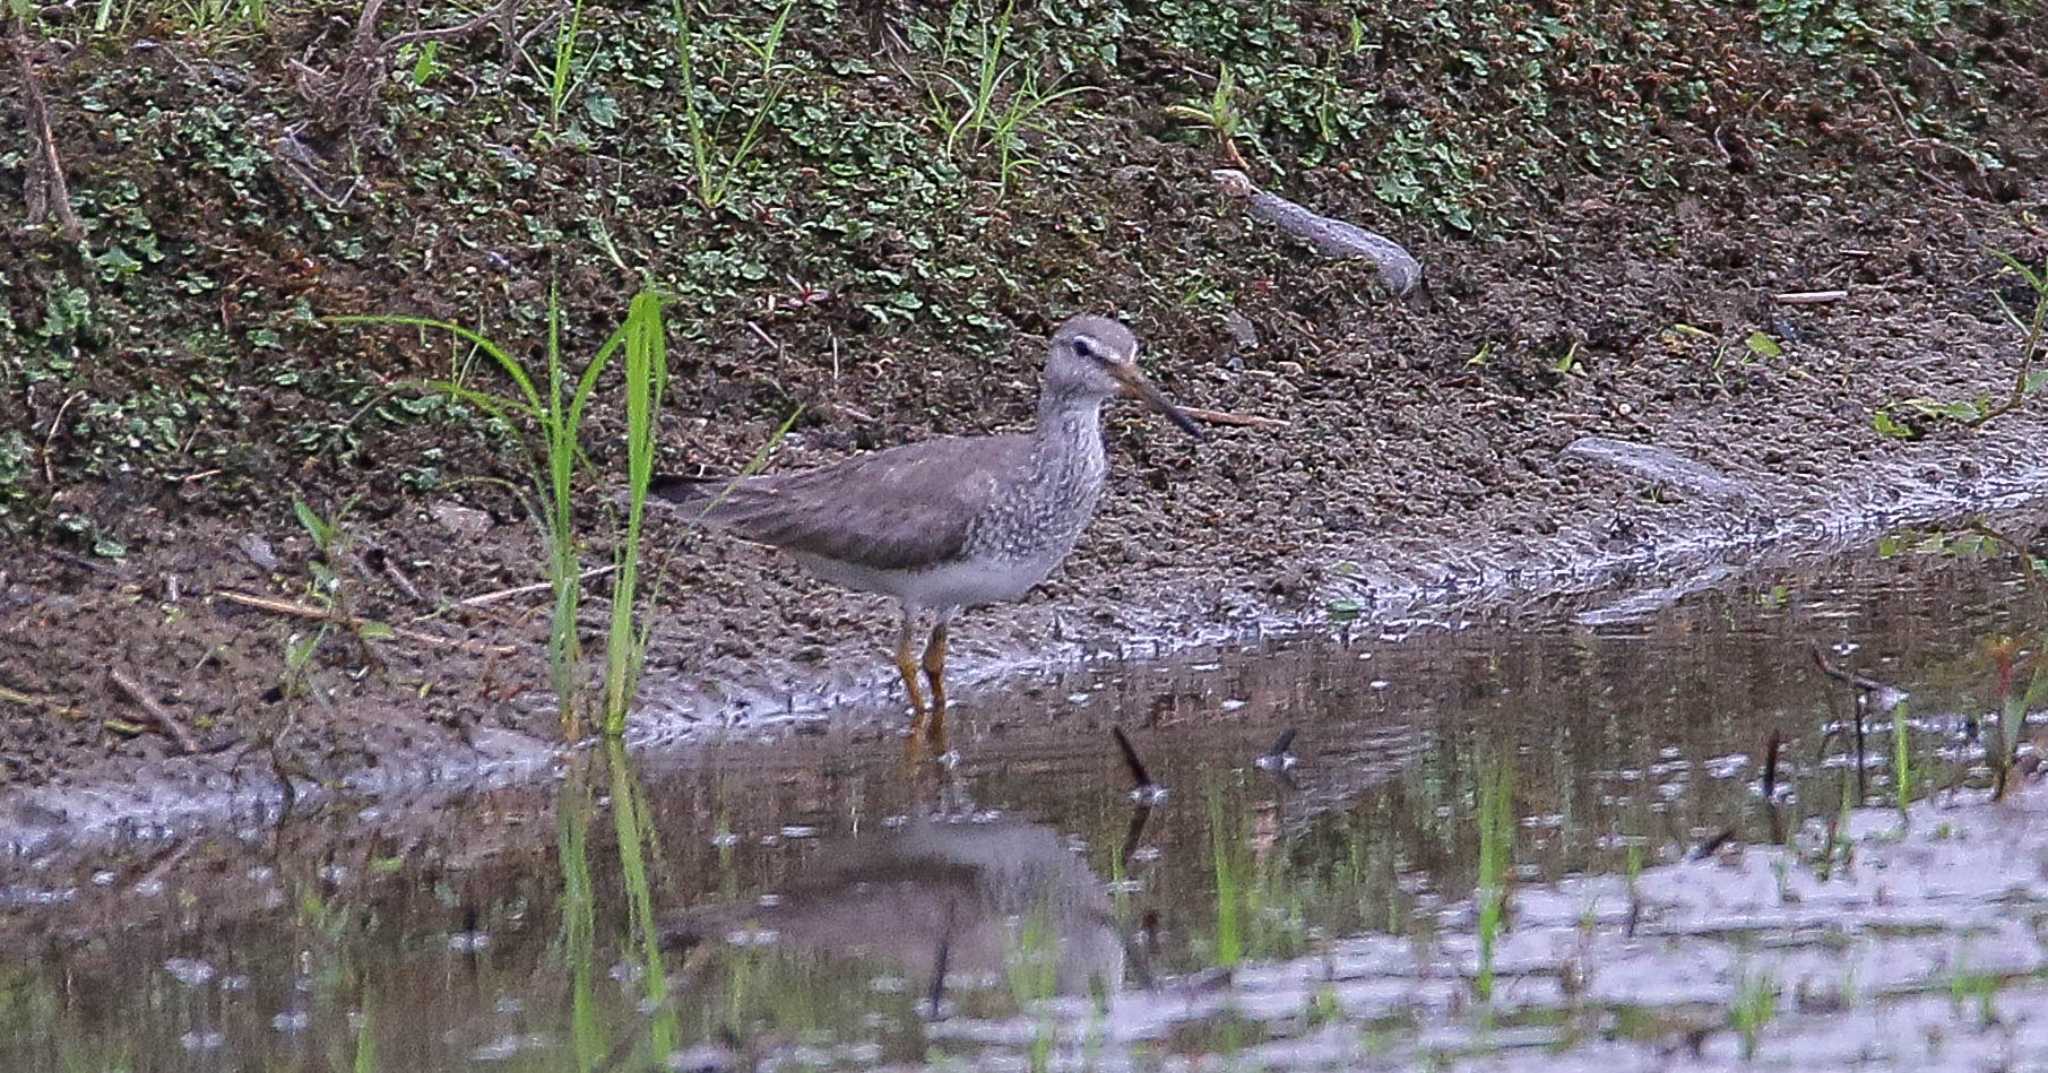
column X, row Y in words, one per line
column 579, row 916
column 628, row 806
column 1967, row 986
column 1263, row 902
column 1041, row 1048
column 1902, row 758
column 1324, row 1008
column 366, row 1037
column 2002, row 748
column 1756, row 1003
column 1032, row 968
column 1496, row 841
column 1223, row 1034
column 1222, row 845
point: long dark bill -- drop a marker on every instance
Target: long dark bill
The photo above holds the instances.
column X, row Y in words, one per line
column 1136, row 385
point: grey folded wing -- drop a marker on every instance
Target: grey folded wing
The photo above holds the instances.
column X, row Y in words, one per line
column 898, row 509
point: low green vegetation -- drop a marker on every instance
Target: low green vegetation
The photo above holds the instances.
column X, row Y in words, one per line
column 996, row 101
column 551, row 405
column 1755, row 1006
column 560, row 74
column 813, row 169
column 1496, row 817
column 647, row 375
column 1975, row 990
column 718, row 155
column 1218, row 113
column 1907, row 418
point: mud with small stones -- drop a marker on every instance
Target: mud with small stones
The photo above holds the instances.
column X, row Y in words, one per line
column 1418, row 492
column 1422, row 472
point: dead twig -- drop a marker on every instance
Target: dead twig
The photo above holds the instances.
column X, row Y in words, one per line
column 518, row 590
column 504, row 14
column 379, row 561
column 1862, row 682
column 771, row 341
column 47, row 195
column 350, row 92
column 1219, row 417
column 1140, row 778
column 1809, row 298
column 286, row 607
column 159, row 716
column 49, row 472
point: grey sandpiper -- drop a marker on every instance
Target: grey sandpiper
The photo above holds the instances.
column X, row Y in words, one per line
column 952, row 522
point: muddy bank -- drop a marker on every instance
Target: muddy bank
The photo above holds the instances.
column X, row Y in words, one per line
column 178, row 391
column 1416, row 496
column 1672, row 550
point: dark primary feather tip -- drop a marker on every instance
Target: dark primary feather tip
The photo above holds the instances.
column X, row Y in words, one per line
column 676, row 488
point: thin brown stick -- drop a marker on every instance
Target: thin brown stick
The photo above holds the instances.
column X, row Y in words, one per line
column 286, row 607
column 159, row 716
column 1219, row 417
column 522, row 590
column 49, row 472
column 2033, row 348
column 45, row 191
column 1809, row 298
column 503, row 13
column 383, row 564
column 1862, row 682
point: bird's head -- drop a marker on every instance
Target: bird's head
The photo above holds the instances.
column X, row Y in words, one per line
column 1094, row 358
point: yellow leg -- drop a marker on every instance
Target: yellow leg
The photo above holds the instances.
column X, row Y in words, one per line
column 935, row 674
column 906, row 665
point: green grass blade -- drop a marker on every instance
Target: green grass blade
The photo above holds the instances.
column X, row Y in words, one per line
column 505, row 361
column 646, row 351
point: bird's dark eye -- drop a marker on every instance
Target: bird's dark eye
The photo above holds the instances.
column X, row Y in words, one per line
column 1087, row 347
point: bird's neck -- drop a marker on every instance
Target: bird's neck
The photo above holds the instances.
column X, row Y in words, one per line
column 1073, row 419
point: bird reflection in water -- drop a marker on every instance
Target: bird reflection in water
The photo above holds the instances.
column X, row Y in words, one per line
column 942, row 900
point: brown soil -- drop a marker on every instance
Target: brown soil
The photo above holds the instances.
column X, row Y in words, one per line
column 1420, row 464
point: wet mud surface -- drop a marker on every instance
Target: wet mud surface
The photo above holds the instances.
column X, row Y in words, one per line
column 473, row 708
column 1425, row 470
column 1570, row 520
column 1664, row 908
column 1399, row 491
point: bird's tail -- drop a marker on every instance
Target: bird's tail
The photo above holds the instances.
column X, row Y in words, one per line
column 686, row 491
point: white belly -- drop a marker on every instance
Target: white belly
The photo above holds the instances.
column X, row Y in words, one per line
column 951, row 585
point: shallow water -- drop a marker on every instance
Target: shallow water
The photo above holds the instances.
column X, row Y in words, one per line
column 791, row 905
